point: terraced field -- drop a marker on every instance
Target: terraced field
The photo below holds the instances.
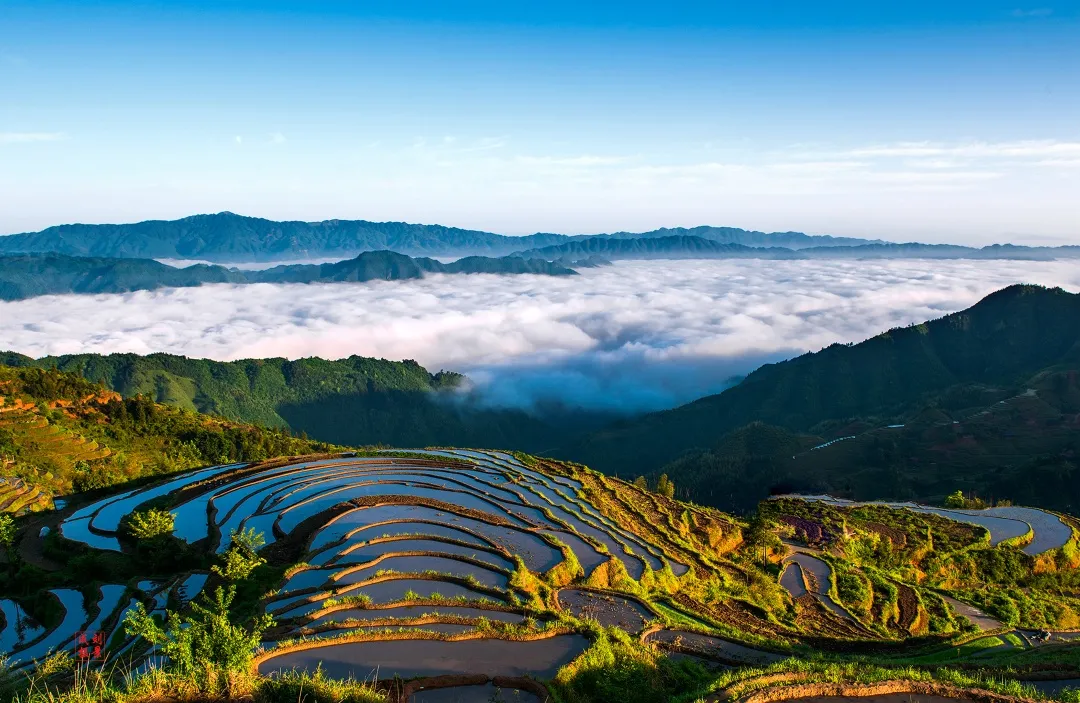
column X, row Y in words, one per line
column 447, row 574
column 417, row 565
column 1047, row 531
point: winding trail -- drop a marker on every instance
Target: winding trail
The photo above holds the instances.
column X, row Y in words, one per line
column 973, row 615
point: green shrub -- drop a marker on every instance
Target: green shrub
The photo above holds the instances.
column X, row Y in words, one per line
column 203, row 645
column 242, row 557
column 148, row 524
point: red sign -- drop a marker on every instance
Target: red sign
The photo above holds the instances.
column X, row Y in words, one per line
column 89, row 649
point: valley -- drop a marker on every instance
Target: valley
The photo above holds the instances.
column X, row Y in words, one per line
column 264, row 528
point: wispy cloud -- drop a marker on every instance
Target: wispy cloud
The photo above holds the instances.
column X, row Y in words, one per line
column 585, row 160
column 1015, row 149
column 277, row 138
column 29, row 137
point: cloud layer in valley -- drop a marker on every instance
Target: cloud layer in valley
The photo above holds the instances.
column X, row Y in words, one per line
column 634, row 336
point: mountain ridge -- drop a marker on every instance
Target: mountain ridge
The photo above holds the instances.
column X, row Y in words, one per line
column 226, row 237
column 29, row 275
column 686, row 246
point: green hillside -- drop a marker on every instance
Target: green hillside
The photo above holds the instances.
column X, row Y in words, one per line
column 354, row 401
column 61, row 433
column 1018, row 338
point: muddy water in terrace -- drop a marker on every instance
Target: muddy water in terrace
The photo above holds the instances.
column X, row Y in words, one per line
column 420, row 564
column 537, row 554
column 416, row 611
column 372, row 551
column 291, row 517
column 474, row 694
column 609, row 610
column 586, row 554
column 445, row 628
column 395, row 589
column 409, row 658
column 399, row 529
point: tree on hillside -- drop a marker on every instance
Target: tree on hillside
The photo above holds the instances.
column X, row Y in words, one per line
column 242, row 557
column 759, row 536
column 7, row 537
column 665, row 487
column 148, row 524
column 641, row 483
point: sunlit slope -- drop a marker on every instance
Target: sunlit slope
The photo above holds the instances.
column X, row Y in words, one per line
column 61, row 433
column 353, row 401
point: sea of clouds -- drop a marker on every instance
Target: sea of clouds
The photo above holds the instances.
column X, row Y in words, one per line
column 629, row 337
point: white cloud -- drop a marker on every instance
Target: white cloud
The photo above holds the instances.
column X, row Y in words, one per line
column 1032, row 148
column 277, row 138
column 585, row 160
column 28, row 137
column 638, row 335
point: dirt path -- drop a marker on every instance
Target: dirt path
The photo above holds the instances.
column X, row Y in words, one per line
column 32, row 547
column 975, row 616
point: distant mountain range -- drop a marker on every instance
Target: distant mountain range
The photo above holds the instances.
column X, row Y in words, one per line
column 229, row 238
column 29, row 275
column 692, row 247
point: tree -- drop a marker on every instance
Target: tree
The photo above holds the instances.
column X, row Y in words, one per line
column 955, row 500
column 148, row 524
column 758, row 536
column 242, row 556
column 665, row 487
column 641, row 483
column 204, row 643
column 7, row 536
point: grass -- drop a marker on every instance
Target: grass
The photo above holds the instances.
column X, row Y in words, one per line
column 963, row 651
column 741, row 682
column 67, row 683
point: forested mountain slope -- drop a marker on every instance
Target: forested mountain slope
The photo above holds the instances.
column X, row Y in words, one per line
column 352, row 401
column 61, row 433
column 984, row 354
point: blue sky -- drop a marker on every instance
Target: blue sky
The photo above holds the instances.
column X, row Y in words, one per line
column 929, row 121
